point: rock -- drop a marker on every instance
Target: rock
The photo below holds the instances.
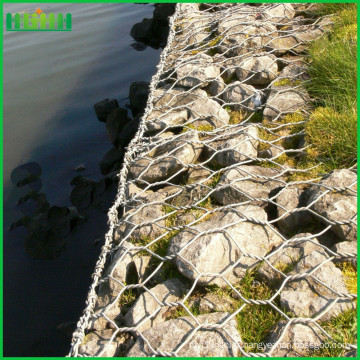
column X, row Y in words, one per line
column 284, row 100
column 307, row 298
column 183, row 219
column 279, row 12
column 142, row 30
column 201, row 109
column 272, row 152
column 159, row 120
column 163, row 11
column 128, row 132
column 138, row 95
column 352, row 353
column 143, row 222
column 111, row 161
column 197, row 175
column 100, row 343
column 82, row 194
column 167, row 159
column 216, row 87
column 289, row 200
column 62, row 220
column 99, row 322
column 240, row 96
column 258, row 69
column 346, row 247
column 298, row 340
column 295, row 71
column 170, row 335
column 285, row 43
column 249, row 38
column 104, row 108
column 286, row 257
column 120, row 268
column 337, row 205
column 217, row 251
column 139, row 315
column 237, row 144
column 213, row 302
column 197, row 71
column 115, row 122
column 142, row 266
column 247, row 183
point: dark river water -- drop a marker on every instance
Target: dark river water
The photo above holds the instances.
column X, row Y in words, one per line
column 51, row 82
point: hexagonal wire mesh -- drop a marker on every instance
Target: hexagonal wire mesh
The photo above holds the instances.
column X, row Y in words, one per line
column 214, row 214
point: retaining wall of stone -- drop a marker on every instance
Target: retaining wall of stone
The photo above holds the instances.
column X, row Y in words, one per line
column 217, row 223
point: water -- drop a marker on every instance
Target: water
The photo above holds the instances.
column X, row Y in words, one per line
column 51, row 82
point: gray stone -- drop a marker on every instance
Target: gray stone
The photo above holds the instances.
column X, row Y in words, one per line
column 279, row 12
column 285, row 43
column 201, row 109
column 197, row 71
column 143, row 268
column 115, row 122
column 100, row 343
column 288, row 200
column 240, row 96
column 217, row 251
column 247, row 183
column 138, row 94
column 271, row 152
column 285, row 99
column 143, row 222
column 352, row 353
column 104, row 108
column 298, row 340
column 259, row 69
column 295, row 71
column 249, row 38
column 170, row 335
column 239, row 143
column 286, row 257
column 307, row 298
column 111, row 161
column 335, row 205
column 213, row 302
column 197, row 175
column 119, row 268
column 346, row 247
column 139, row 315
column 159, row 120
column 168, row 159
column 99, row 322
column 216, row 87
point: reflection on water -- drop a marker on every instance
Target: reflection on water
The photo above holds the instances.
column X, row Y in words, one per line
column 55, row 197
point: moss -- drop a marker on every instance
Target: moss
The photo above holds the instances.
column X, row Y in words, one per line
column 238, row 117
column 127, row 299
column 349, row 272
column 287, row 81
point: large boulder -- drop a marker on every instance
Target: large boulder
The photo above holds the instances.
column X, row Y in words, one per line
column 173, row 101
column 247, row 183
column 197, row 71
column 238, row 143
column 169, row 336
column 286, row 99
column 240, row 96
column 104, row 107
column 335, row 200
column 288, row 201
column 215, row 245
column 147, row 312
column 279, row 12
column 307, row 297
column 296, row 340
column 115, row 123
column 259, row 69
column 167, row 159
column 138, row 95
column 111, row 161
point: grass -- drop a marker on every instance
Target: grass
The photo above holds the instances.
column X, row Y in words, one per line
column 343, row 329
column 332, row 129
column 350, row 276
